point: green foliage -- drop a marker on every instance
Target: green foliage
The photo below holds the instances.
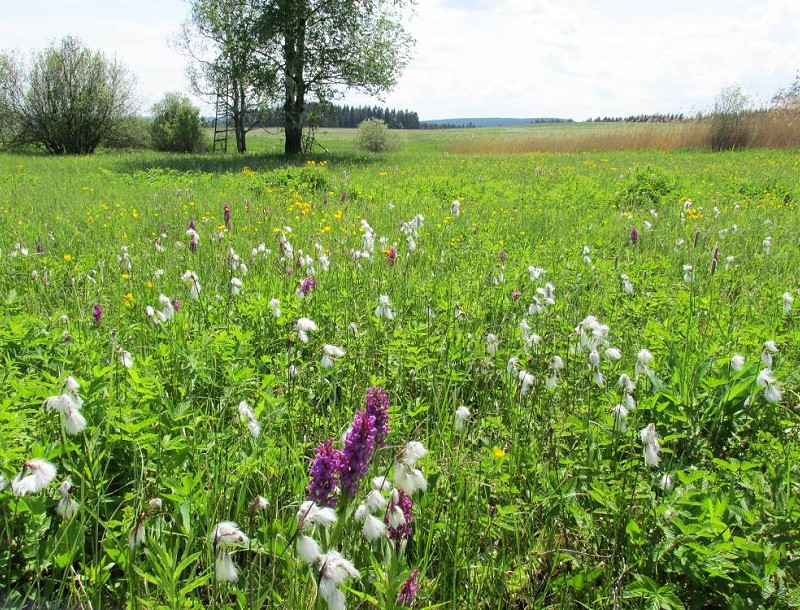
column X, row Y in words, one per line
column 131, row 133
column 643, row 188
column 540, row 499
column 176, row 124
column 374, row 136
column 728, row 127
column 67, row 101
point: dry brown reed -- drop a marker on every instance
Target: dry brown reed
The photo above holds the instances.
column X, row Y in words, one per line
column 772, row 129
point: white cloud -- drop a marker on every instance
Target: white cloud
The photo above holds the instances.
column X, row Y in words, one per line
column 575, row 59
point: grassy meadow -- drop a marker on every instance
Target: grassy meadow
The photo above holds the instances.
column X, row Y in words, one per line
column 590, row 363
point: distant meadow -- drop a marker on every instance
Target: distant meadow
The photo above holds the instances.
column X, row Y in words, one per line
column 550, row 366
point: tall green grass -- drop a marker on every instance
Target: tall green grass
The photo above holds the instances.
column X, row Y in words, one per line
column 540, row 500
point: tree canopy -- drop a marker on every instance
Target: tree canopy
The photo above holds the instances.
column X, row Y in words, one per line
column 297, row 51
column 67, row 100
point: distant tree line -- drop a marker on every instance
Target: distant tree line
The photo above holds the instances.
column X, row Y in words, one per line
column 331, row 115
column 640, row 118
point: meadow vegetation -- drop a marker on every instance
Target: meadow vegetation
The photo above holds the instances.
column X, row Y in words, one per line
column 580, row 368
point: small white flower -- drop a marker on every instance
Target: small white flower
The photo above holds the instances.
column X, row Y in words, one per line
column 688, row 274
column 536, row 273
column 462, row 415
column 767, row 244
column 455, row 209
column 40, row 473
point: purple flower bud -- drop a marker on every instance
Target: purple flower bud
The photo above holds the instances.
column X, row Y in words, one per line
column 325, row 471
column 343, row 196
column 358, row 446
column 176, row 303
column 403, row 502
column 377, row 404
column 634, row 236
column 307, row 285
column 502, row 255
column 39, row 248
column 193, row 245
column 408, row 590
column 226, row 212
column 192, row 226
column 97, row 314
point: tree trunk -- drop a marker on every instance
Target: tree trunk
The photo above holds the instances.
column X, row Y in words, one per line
column 239, row 116
column 294, row 100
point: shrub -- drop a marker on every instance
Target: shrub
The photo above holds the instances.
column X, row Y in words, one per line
column 133, row 132
column 67, row 101
column 374, row 136
column 728, row 128
column 176, row 125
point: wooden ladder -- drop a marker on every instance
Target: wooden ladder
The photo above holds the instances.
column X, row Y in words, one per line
column 222, row 122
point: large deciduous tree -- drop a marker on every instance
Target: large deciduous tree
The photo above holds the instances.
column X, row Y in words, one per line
column 320, row 47
column 67, row 101
column 221, row 40
column 287, row 53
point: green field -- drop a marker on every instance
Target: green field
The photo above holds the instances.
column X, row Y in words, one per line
column 542, row 494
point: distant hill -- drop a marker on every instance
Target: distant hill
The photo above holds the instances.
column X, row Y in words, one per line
column 489, row 122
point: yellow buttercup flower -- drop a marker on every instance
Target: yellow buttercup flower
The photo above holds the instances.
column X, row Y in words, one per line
column 498, row 453
column 67, row 257
column 128, row 299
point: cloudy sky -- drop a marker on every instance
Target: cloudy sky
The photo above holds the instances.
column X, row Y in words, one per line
column 514, row 58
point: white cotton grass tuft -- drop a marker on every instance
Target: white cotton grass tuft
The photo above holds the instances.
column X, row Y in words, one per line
column 247, row 414
column 374, row 528
column 305, row 326
column 772, row 393
column 383, row 310
column 788, row 299
column 651, row 446
column 308, row 549
column 310, row 513
column 620, row 418
column 492, row 343
column 334, row 571
column 67, row 507
column 68, row 405
column 462, row 416
column 190, row 278
column 409, row 479
column 35, row 475
column 525, row 382
column 737, row 362
column 330, row 353
column 666, row 482
column 224, row 535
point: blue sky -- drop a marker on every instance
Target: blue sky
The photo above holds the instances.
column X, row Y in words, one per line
column 569, row 58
